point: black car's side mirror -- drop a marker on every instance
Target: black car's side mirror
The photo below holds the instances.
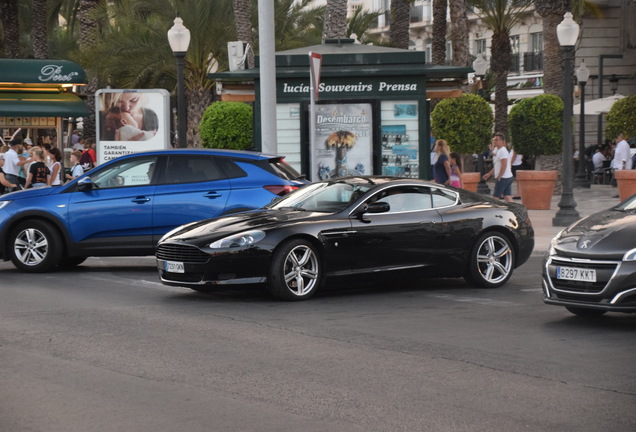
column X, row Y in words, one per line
column 374, row 207
column 85, row 184
column 378, row 207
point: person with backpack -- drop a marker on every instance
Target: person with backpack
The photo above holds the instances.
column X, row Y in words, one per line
column 87, row 158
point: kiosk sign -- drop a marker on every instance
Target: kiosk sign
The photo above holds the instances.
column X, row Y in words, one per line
column 131, row 121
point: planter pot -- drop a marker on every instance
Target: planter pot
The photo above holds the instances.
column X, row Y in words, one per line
column 536, row 187
column 626, row 182
column 470, row 181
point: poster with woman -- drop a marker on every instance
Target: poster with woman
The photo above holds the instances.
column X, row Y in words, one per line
column 343, row 141
column 130, row 121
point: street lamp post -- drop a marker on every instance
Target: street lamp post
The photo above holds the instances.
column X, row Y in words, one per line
column 480, row 65
column 179, row 39
column 567, row 33
column 582, row 180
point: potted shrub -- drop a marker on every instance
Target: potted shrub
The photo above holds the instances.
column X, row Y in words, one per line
column 227, row 125
column 466, row 125
column 536, row 130
column 622, row 119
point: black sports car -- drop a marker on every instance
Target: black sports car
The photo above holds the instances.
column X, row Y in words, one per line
column 351, row 226
column 591, row 265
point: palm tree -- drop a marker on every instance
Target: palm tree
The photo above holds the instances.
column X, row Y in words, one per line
column 335, row 21
column 501, row 16
column 400, row 20
column 552, row 13
column 39, row 29
column 89, row 28
column 439, row 32
column 359, row 24
column 459, row 33
column 243, row 22
column 10, row 25
column 133, row 38
column 297, row 24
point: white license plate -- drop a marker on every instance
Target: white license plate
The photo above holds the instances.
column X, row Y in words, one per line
column 576, row 274
column 174, row 267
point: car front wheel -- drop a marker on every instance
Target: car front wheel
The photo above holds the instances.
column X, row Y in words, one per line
column 35, row 246
column 295, row 273
column 491, row 261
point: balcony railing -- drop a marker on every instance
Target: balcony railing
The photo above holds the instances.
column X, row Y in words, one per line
column 515, row 63
column 533, row 61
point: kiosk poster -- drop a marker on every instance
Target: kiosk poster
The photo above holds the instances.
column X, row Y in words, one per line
column 343, row 141
column 131, row 121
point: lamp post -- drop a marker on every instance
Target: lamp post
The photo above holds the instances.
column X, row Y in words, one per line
column 480, row 65
column 179, row 39
column 582, row 180
column 567, row 33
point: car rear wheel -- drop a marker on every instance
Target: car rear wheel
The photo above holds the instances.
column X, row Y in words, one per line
column 35, row 246
column 295, row 273
column 491, row 261
column 586, row 313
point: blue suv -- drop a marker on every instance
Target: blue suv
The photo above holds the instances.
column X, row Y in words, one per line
column 123, row 207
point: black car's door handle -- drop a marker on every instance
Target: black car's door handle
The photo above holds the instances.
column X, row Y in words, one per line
column 212, row 195
column 141, row 199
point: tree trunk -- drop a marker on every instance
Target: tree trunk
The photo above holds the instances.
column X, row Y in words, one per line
column 9, row 15
column 243, row 22
column 400, row 21
column 459, row 33
column 88, row 29
column 335, row 20
column 500, row 66
column 439, row 32
column 198, row 99
column 39, row 31
column 552, row 14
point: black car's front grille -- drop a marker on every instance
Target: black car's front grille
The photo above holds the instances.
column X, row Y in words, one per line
column 604, row 272
column 181, row 253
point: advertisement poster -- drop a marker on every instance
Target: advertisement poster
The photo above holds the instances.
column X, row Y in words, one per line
column 399, row 155
column 131, row 121
column 343, row 143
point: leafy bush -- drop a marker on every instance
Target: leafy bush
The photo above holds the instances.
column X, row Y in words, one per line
column 227, row 125
column 622, row 118
column 464, row 122
column 536, row 125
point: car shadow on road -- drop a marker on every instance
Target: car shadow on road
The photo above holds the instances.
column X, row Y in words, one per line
column 332, row 289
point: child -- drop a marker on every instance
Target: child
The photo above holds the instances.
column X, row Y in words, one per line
column 77, row 169
column 125, row 126
column 456, row 170
column 38, row 172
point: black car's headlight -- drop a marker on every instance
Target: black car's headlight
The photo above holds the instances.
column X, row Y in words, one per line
column 630, row 255
column 246, row 238
column 3, row 204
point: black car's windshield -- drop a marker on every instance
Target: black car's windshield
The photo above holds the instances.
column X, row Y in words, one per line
column 328, row 197
column 629, row 205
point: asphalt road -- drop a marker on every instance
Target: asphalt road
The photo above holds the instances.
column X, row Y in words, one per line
column 107, row 348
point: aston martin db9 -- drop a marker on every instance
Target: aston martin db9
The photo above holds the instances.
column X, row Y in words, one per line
column 591, row 265
column 352, row 226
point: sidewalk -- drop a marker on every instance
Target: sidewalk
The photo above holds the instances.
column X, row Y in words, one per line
column 588, row 201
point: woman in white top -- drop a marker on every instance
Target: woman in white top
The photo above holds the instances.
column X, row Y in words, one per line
column 54, row 178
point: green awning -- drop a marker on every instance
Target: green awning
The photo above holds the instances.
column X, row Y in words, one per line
column 37, row 71
column 42, row 105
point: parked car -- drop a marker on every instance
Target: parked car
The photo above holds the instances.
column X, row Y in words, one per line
column 351, row 226
column 124, row 206
column 591, row 265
